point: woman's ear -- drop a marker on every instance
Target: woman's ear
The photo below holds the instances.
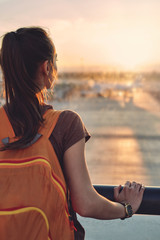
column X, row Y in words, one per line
column 43, row 74
column 45, row 68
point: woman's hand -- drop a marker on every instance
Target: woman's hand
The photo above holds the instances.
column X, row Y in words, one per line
column 131, row 193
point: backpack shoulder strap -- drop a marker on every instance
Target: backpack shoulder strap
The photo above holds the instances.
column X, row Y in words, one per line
column 6, row 129
column 51, row 117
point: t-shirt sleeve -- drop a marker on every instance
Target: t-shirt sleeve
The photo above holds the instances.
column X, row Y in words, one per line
column 68, row 130
column 74, row 131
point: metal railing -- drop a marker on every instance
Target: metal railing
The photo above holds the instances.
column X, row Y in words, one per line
column 151, row 199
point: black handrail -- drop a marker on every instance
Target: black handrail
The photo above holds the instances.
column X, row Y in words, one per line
column 151, row 199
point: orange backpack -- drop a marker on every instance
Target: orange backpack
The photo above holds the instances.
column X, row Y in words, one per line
column 33, row 202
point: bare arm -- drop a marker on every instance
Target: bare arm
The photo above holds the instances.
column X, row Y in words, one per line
column 86, row 201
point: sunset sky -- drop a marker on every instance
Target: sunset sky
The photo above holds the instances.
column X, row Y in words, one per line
column 93, row 34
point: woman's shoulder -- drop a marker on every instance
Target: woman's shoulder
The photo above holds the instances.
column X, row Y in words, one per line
column 66, row 116
column 70, row 114
column 70, row 119
column 67, row 113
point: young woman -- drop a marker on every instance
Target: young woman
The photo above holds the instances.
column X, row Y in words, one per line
column 28, row 62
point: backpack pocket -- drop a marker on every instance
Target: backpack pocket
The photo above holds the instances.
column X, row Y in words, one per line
column 24, row 223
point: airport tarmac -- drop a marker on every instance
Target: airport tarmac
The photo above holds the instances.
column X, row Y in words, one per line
column 125, row 145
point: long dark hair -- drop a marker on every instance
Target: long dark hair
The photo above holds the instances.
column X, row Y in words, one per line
column 21, row 54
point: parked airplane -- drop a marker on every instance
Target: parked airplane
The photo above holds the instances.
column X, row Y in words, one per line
column 109, row 89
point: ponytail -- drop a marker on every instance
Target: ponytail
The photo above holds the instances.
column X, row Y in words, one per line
column 21, row 54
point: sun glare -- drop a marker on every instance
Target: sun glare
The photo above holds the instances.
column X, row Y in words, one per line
column 130, row 48
column 107, row 43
